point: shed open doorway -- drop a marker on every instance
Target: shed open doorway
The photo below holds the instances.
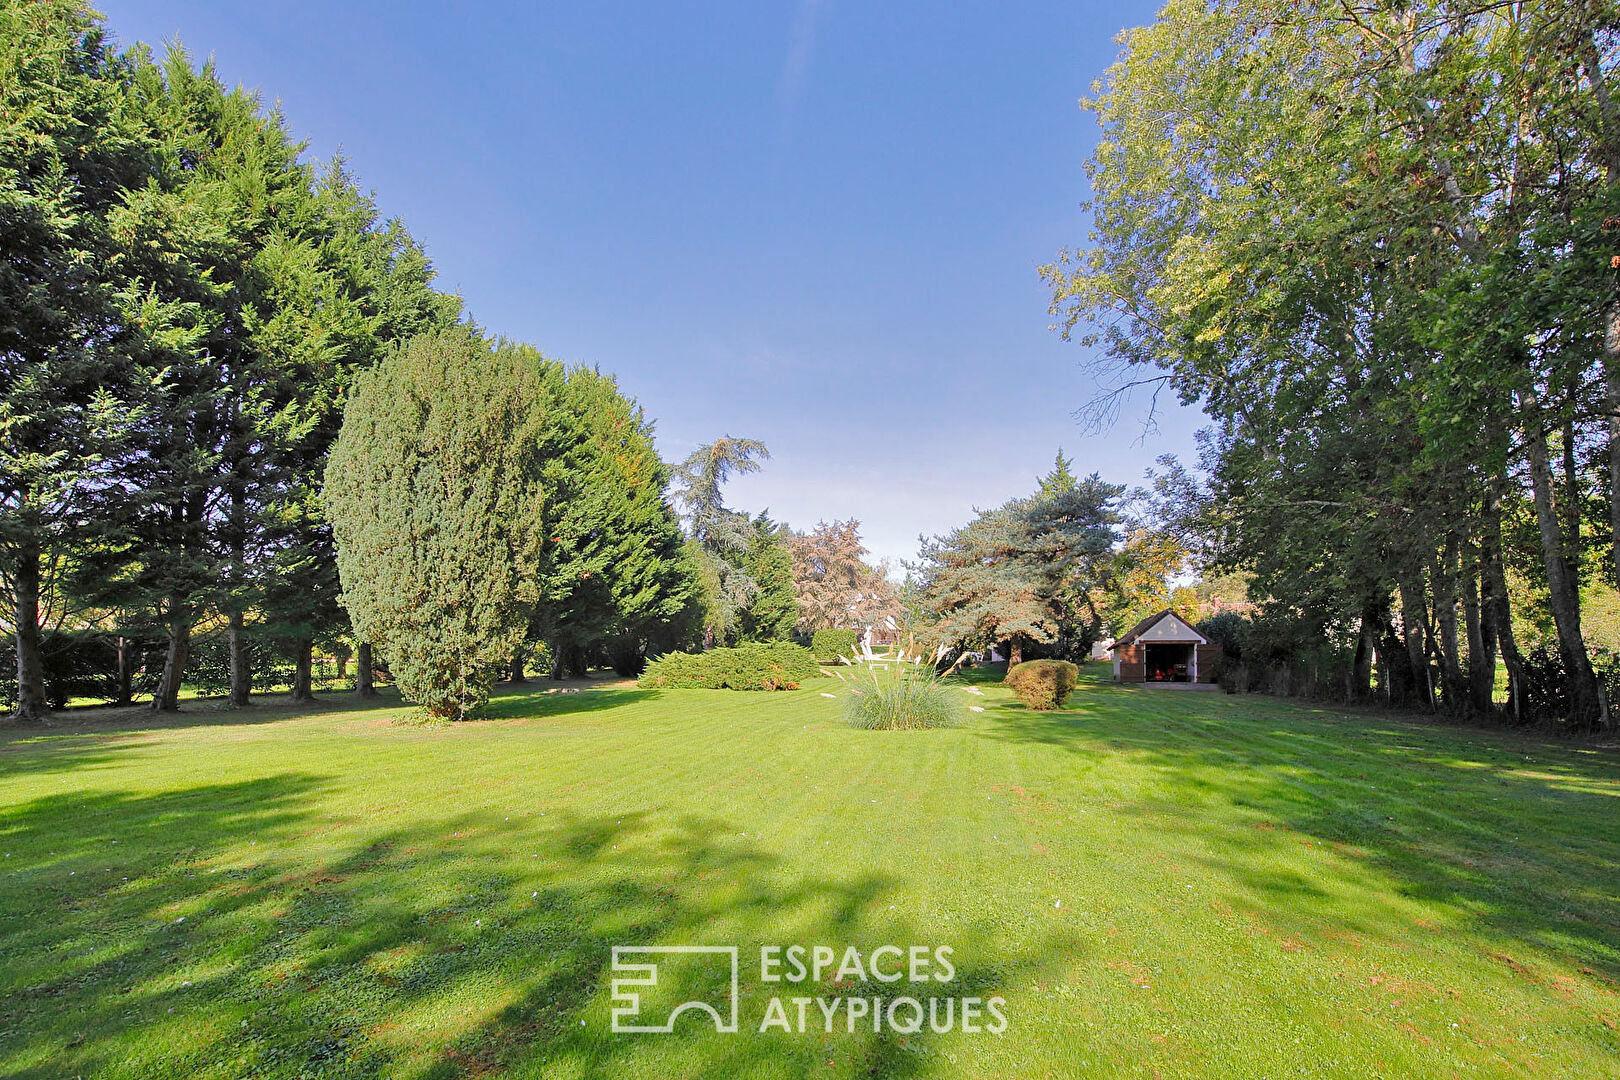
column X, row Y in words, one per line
column 1170, row 661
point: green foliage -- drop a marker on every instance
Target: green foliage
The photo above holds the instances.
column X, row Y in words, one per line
column 900, row 697
column 1043, row 684
column 722, row 539
column 1229, row 630
column 828, row 645
column 614, row 565
column 751, row 666
column 774, row 609
column 76, row 666
column 1020, row 572
column 436, row 494
column 1319, row 224
column 70, row 320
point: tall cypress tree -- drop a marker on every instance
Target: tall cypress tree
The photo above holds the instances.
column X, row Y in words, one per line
column 614, row 564
column 436, row 495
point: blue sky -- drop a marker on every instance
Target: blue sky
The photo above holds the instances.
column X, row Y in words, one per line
column 811, row 222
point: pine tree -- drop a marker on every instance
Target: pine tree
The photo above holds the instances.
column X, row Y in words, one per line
column 1014, row 573
column 435, row 489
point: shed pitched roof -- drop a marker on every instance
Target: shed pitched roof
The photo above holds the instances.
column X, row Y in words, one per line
column 1153, row 620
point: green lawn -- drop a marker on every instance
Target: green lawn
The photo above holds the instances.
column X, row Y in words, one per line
column 1159, row 883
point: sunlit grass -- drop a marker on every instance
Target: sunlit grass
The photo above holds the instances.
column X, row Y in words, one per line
column 1159, row 883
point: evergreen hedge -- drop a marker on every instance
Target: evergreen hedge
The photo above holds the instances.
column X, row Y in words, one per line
column 828, row 645
column 774, row 665
column 1043, row 684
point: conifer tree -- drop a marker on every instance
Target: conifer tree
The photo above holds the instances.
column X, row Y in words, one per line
column 1013, row 574
column 836, row 587
column 721, row 537
column 775, row 609
column 614, row 564
column 67, row 149
column 435, row 489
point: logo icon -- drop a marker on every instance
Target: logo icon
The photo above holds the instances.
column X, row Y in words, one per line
column 640, row 977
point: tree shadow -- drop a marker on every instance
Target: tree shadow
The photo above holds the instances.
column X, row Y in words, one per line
column 1515, row 838
column 91, row 720
column 537, row 701
column 235, row 929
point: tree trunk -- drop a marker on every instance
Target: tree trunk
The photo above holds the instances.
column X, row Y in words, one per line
column 31, row 706
column 1500, row 607
column 1562, row 589
column 178, row 651
column 1445, row 617
column 1480, row 626
column 343, row 666
column 516, row 673
column 1608, row 148
column 1414, row 615
column 1611, row 405
column 1015, row 652
column 1572, row 492
column 1366, row 643
column 363, row 684
column 302, row 662
column 241, row 671
column 125, row 672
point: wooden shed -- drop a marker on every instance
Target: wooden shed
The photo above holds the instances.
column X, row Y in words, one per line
column 1165, row 648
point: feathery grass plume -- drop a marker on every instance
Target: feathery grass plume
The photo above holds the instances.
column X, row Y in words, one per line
column 903, row 696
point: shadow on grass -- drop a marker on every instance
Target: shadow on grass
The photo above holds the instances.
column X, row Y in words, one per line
column 1513, row 839
column 538, row 701
column 112, row 722
column 202, row 932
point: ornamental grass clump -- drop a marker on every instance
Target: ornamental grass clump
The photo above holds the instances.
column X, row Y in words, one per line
column 897, row 694
column 902, row 698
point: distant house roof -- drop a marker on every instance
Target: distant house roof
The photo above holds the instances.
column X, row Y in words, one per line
column 1174, row 628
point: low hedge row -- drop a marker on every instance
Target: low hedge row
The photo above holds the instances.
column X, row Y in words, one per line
column 1043, row 684
column 772, row 665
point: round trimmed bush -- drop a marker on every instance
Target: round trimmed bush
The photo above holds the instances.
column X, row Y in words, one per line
column 1043, row 684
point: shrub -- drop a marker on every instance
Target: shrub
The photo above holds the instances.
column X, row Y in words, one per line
column 626, row 656
column 829, row 645
column 77, row 665
column 1043, row 684
column 1229, row 630
column 902, row 698
column 775, row 665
